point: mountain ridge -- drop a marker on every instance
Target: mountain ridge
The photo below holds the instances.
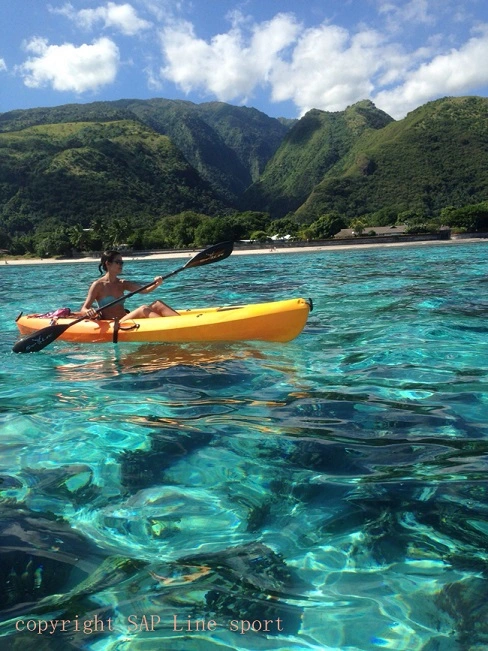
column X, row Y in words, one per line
column 144, row 160
column 435, row 157
column 308, row 151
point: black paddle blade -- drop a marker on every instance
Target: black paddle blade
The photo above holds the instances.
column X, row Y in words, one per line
column 40, row 339
column 214, row 253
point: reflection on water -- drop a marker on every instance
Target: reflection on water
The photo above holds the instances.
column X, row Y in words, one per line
column 329, row 493
column 148, row 358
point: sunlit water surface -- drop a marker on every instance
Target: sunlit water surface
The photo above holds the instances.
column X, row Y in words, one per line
column 329, row 493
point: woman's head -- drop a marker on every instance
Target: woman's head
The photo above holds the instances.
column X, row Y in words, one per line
column 110, row 257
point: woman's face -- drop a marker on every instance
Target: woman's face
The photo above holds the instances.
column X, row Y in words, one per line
column 117, row 264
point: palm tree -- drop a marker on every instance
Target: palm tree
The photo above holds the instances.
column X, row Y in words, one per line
column 77, row 237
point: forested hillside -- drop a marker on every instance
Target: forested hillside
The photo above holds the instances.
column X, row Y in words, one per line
column 310, row 149
column 437, row 156
column 228, row 145
column 172, row 173
column 80, row 171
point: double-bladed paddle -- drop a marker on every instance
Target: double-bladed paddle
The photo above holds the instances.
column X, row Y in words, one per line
column 42, row 338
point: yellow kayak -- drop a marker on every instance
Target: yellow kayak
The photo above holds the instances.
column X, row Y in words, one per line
column 277, row 321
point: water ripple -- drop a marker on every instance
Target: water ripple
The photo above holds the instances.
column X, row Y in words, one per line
column 336, row 483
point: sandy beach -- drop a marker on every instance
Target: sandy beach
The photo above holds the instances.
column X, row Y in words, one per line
column 265, row 250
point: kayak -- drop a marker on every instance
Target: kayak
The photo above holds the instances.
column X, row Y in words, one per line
column 278, row 321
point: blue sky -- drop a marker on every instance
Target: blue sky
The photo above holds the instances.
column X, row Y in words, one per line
column 281, row 57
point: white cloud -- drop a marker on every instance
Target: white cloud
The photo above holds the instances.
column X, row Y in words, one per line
column 414, row 12
column 456, row 72
column 3, row 65
column 70, row 68
column 123, row 17
column 231, row 65
column 323, row 67
column 161, row 10
column 327, row 67
column 330, row 68
column 154, row 82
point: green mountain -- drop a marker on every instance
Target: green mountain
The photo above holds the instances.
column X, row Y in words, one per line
column 229, row 146
column 308, row 152
column 437, row 156
column 80, row 171
column 131, row 164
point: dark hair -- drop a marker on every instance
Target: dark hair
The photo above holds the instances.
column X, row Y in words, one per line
column 107, row 256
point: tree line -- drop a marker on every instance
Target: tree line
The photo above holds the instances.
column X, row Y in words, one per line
column 190, row 229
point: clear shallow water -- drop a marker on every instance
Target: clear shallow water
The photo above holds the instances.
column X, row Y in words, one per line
column 334, row 486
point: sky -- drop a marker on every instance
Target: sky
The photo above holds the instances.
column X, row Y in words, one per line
column 280, row 57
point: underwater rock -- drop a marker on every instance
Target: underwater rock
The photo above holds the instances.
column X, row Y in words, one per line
column 253, row 583
column 37, row 556
column 258, row 516
column 466, row 602
column 141, row 469
column 329, row 458
column 457, row 522
column 41, row 559
column 383, row 536
column 10, row 488
column 73, row 482
column 254, row 563
column 111, row 571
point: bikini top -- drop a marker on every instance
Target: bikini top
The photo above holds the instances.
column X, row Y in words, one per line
column 102, row 302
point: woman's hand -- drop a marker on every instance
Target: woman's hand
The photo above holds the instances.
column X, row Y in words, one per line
column 91, row 313
column 157, row 281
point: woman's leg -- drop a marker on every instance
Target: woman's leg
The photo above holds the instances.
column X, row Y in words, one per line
column 154, row 309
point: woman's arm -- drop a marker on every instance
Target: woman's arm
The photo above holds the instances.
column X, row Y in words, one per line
column 91, row 297
column 132, row 287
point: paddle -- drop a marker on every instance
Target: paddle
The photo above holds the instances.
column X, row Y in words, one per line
column 42, row 338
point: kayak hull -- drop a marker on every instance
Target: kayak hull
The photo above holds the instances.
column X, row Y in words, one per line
column 278, row 321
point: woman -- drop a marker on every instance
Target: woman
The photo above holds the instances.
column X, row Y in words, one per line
column 110, row 287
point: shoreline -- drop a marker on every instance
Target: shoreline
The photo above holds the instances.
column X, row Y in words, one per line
column 263, row 251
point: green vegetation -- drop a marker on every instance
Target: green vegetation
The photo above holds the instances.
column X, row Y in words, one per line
column 228, row 146
column 470, row 218
column 171, row 174
column 436, row 157
column 310, row 149
column 70, row 175
column 324, row 227
column 190, row 229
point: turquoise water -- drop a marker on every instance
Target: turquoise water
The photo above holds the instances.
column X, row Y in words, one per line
column 331, row 492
